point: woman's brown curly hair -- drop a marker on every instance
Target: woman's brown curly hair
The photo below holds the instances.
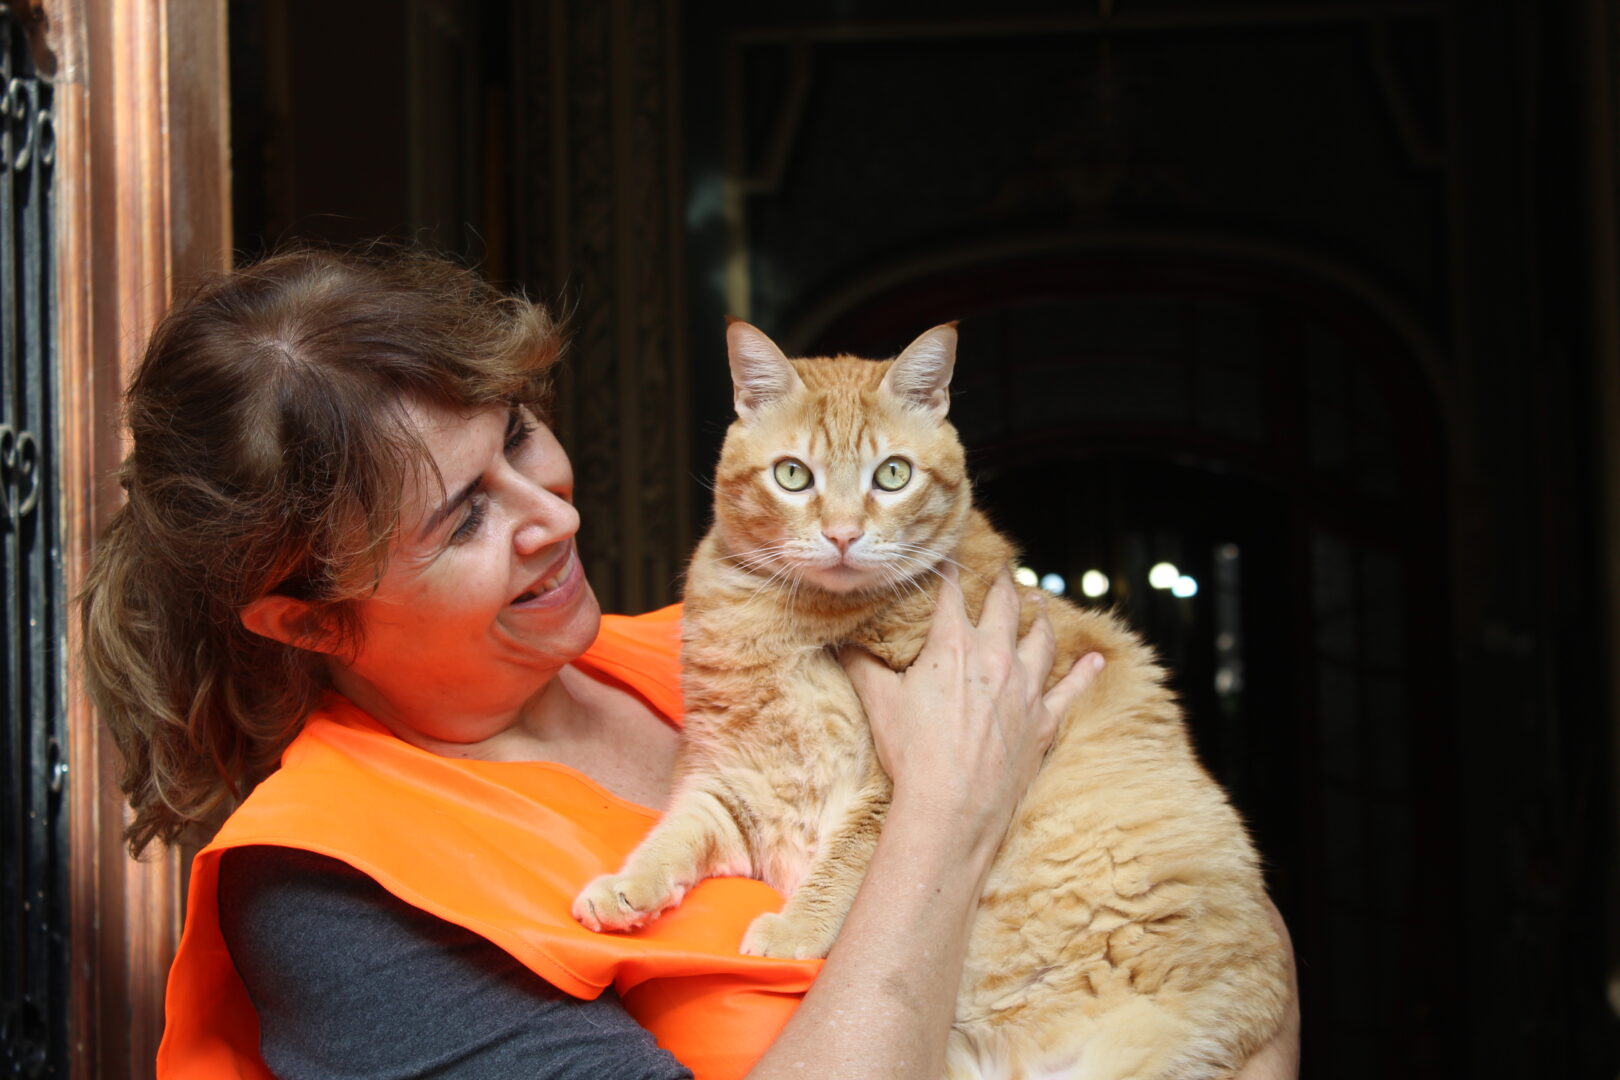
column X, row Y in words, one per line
column 271, row 453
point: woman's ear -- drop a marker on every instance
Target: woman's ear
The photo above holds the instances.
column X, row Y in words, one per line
column 290, row 621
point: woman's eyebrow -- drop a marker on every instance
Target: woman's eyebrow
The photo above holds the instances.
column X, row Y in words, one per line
column 443, row 512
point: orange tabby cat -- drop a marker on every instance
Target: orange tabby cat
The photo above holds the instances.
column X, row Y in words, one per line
column 1123, row 930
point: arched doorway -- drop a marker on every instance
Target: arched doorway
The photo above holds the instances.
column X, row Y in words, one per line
column 1271, row 431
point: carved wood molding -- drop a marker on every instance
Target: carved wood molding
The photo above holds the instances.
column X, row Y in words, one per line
column 597, row 174
column 144, row 205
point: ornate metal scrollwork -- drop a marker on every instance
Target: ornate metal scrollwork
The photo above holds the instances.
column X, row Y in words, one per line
column 34, row 920
column 45, row 137
column 17, row 103
column 19, row 474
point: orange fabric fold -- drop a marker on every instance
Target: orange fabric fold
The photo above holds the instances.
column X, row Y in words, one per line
column 500, row 848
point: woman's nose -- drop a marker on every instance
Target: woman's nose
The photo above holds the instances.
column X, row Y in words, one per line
column 546, row 517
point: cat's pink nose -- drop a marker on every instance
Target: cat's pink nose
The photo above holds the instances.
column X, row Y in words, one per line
column 842, row 536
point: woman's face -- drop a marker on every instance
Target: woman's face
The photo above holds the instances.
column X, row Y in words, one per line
column 483, row 599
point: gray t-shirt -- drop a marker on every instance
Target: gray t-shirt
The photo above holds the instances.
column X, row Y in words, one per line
column 350, row 981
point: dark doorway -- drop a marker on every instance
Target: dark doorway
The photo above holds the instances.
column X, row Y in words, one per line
column 1271, row 438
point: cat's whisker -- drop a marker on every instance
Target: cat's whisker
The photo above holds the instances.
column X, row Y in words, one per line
column 906, row 583
column 896, row 579
column 914, row 589
column 746, row 558
column 946, row 582
column 940, row 556
column 774, row 545
column 755, row 565
column 785, row 571
column 906, row 553
column 935, row 568
column 767, row 564
column 760, row 558
column 917, row 587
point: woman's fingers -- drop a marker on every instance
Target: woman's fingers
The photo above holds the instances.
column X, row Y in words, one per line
column 874, row 683
column 949, row 612
column 1037, row 647
column 999, row 618
column 1072, row 686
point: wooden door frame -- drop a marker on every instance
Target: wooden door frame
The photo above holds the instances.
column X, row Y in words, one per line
column 143, row 151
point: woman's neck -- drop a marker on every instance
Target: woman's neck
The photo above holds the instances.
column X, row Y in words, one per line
column 468, row 722
column 599, row 729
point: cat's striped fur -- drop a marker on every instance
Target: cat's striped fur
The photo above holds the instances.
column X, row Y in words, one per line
column 1123, row 931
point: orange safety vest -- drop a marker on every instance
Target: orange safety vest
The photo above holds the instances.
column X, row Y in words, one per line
column 500, row 848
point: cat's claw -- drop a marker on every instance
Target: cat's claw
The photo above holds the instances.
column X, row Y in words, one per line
column 773, row 934
column 621, row 902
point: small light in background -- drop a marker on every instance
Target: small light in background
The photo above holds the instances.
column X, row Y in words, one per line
column 1163, row 575
column 1228, row 552
column 1025, row 576
column 1054, row 584
column 1184, row 587
column 1094, row 583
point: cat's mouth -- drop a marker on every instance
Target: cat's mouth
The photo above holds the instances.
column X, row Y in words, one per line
column 840, row 576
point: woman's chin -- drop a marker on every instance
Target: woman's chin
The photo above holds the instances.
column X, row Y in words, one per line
column 587, row 613
column 560, row 632
column 584, row 623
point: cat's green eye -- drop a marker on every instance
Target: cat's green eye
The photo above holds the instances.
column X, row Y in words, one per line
column 792, row 475
column 893, row 474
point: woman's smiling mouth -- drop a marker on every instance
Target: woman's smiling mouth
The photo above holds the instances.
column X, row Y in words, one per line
column 555, row 583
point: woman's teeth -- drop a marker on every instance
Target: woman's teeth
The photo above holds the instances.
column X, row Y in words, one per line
column 550, row 583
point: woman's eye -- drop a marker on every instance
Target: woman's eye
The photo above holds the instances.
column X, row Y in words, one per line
column 470, row 524
column 893, row 474
column 792, row 475
column 518, row 432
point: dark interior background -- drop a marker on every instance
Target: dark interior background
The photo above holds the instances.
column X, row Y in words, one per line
column 1297, row 296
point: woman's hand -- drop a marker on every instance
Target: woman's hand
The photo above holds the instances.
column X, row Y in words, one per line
column 963, row 730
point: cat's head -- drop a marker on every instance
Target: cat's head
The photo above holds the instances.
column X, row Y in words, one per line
column 841, row 473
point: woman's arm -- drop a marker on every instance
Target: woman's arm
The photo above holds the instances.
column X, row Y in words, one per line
column 962, row 733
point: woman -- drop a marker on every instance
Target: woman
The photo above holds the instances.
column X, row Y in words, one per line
column 348, row 549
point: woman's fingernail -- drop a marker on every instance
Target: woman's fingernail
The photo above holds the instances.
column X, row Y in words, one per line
column 1097, row 661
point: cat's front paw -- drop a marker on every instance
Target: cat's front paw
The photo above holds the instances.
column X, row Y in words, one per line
column 773, row 934
column 622, row 902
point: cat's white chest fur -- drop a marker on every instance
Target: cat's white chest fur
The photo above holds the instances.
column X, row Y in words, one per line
column 785, row 865
column 805, row 797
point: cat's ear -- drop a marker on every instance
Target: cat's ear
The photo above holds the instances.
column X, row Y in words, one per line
column 922, row 374
column 759, row 372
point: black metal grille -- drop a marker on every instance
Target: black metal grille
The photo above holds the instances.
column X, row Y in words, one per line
column 34, row 949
